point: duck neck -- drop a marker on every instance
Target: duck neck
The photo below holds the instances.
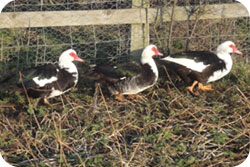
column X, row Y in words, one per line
column 150, row 61
column 226, row 57
column 68, row 66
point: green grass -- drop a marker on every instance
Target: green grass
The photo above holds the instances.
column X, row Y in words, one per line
column 166, row 127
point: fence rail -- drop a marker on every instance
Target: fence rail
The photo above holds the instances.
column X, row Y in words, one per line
column 117, row 16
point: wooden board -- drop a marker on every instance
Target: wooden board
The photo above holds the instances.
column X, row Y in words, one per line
column 207, row 12
column 108, row 17
column 70, row 18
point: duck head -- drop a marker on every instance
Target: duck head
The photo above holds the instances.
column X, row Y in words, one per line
column 149, row 52
column 69, row 56
column 227, row 48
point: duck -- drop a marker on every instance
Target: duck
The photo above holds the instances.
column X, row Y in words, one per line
column 129, row 78
column 46, row 81
column 198, row 68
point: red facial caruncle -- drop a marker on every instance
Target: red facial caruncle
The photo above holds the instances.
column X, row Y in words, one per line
column 235, row 50
column 76, row 58
column 155, row 50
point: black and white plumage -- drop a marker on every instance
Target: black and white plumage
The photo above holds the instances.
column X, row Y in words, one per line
column 199, row 67
column 48, row 80
column 129, row 78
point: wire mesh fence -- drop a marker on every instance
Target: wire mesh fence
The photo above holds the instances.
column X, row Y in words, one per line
column 24, row 47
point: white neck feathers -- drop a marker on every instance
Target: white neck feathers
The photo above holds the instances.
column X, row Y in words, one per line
column 68, row 66
column 146, row 59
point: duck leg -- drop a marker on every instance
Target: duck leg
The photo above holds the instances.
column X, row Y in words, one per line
column 191, row 88
column 136, row 97
column 120, row 97
column 204, row 88
column 45, row 101
column 133, row 96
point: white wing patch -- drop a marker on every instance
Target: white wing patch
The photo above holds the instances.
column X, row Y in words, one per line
column 189, row 63
column 55, row 93
column 43, row 82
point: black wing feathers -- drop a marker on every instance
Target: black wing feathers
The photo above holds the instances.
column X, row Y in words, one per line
column 46, row 71
column 16, row 80
column 42, row 72
column 111, row 74
column 198, row 56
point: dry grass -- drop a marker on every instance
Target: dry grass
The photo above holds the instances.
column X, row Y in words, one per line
column 166, row 126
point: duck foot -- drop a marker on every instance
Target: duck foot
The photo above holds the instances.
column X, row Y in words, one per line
column 45, row 101
column 136, row 97
column 120, row 98
column 191, row 88
column 133, row 96
column 204, row 88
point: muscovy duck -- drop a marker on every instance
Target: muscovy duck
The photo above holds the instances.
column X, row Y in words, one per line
column 128, row 78
column 200, row 67
column 48, row 80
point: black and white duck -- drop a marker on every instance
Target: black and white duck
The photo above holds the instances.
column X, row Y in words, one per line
column 200, row 67
column 128, row 78
column 48, row 80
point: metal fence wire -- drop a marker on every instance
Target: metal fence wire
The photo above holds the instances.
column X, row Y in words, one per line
column 24, row 47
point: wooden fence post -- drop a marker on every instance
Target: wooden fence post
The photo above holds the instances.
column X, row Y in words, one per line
column 139, row 31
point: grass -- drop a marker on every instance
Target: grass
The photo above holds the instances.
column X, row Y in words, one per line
column 165, row 127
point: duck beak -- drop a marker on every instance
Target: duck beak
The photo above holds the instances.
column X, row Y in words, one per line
column 79, row 59
column 235, row 50
column 157, row 53
column 238, row 52
column 160, row 54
